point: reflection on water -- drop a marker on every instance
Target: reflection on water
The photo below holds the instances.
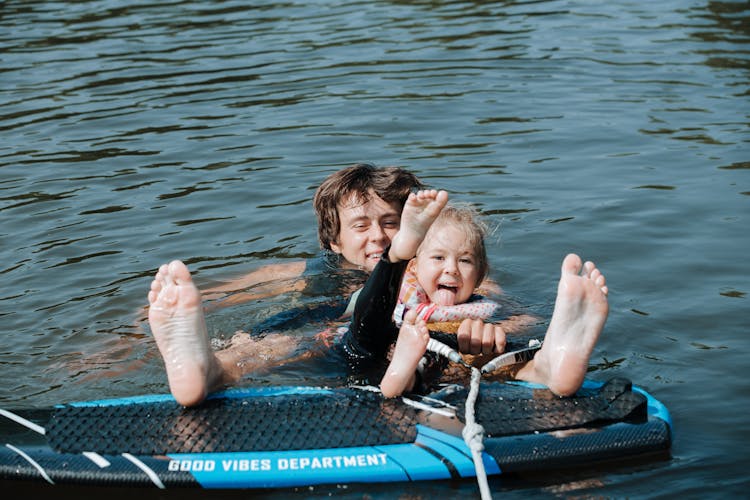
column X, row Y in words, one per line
column 136, row 133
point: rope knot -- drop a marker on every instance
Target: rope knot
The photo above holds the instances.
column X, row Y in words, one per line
column 473, row 435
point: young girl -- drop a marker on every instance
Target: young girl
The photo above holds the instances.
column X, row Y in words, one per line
column 438, row 289
column 454, row 244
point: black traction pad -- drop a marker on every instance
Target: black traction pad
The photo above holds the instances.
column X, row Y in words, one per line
column 503, row 411
column 337, row 418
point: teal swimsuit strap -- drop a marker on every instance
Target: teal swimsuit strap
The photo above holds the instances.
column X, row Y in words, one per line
column 352, row 302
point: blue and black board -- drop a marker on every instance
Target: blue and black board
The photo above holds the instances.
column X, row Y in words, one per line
column 293, row 436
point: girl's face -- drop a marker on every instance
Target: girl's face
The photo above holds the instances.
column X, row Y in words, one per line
column 447, row 266
column 366, row 230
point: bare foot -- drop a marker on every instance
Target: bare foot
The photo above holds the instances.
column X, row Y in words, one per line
column 410, row 347
column 178, row 325
column 420, row 211
column 581, row 310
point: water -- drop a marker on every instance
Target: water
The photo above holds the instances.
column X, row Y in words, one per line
column 137, row 132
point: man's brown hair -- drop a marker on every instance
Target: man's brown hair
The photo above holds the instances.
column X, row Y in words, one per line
column 392, row 184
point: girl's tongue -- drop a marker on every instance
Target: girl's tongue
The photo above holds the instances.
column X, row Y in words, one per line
column 445, row 296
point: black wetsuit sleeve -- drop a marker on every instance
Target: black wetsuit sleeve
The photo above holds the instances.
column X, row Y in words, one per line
column 372, row 330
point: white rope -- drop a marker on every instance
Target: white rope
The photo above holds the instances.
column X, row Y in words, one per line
column 473, row 432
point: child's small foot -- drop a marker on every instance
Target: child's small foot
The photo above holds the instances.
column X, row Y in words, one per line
column 410, row 347
column 581, row 310
column 420, row 211
column 178, row 325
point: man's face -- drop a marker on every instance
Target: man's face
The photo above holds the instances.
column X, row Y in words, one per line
column 366, row 230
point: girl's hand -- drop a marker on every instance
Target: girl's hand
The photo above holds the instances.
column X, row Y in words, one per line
column 477, row 337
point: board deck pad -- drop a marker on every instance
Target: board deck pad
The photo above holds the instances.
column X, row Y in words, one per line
column 341, row 418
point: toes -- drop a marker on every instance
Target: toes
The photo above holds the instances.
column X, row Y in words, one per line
column 598, row 278
column 410, row 318
column 441, row 197
column 601, row 282
column 571, row 264
column 179, row 271
column 588, row 268
column 162, row 286
column 595, row 274
column 162, row 272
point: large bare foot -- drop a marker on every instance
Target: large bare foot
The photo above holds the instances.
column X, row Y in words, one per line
column 581, row 310
column 420, row 211
column 410, row 347
column 178, row 325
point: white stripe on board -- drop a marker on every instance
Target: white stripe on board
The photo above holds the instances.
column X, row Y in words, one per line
column 97, row 459
column 145, row 468
column 32, row 462
column 23, row 421
column 422, row 406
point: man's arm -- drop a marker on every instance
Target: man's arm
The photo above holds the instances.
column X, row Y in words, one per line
column 265, row 277
column 267, row 281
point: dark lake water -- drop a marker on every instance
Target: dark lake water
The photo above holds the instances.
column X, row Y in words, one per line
column 136, row 132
